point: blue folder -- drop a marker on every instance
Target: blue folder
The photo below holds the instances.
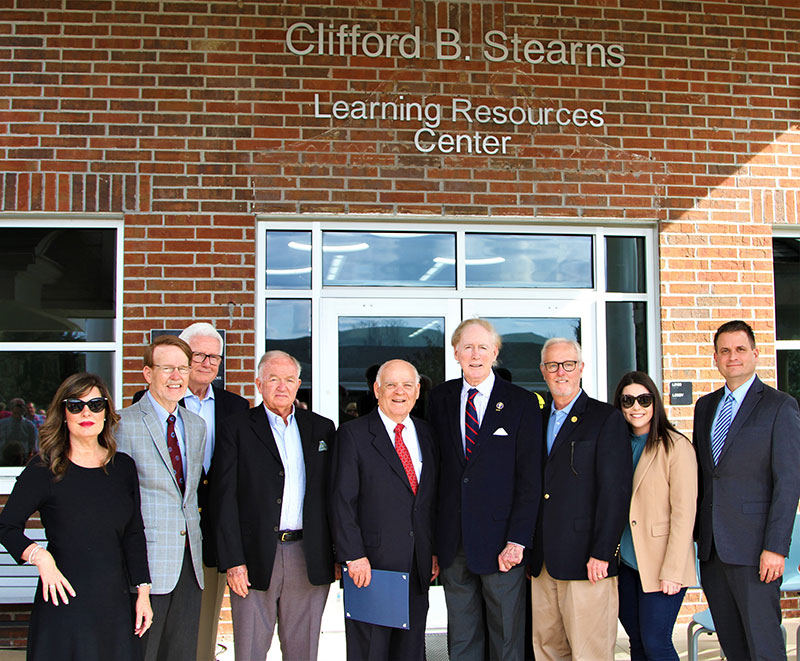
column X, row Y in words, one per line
column 384, row 601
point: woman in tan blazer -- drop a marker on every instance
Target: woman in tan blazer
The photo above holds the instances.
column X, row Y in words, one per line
column 656, row 550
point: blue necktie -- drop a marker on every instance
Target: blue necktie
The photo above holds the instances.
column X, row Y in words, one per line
column 471, row 425
column 721, row 428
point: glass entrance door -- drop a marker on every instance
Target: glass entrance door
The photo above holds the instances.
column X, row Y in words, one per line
column 357, row 335
column 525, row 325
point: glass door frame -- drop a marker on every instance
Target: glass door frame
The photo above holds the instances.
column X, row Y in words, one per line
column 548, row 309
column 594, row 299
column 325, row 396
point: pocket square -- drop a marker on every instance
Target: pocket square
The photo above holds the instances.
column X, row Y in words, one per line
column 323, row 446
column 500, row 432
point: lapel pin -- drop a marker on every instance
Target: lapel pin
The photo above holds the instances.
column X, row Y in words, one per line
column 499, row 406
column 322, row 446
column 574, row 418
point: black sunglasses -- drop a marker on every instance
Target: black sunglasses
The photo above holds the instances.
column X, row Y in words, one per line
column 645, row 400
column 95, row 405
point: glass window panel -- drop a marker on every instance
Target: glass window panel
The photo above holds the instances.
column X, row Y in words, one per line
column 388, row 259
column 529, row 260
column 288, row 260
column 367, row 342
column 57, row 284
column 626, row 340
column 34, row 377
column 289, row 329
column 625, row 261
column 786, row 261
column 523, row 339
column 789, row 372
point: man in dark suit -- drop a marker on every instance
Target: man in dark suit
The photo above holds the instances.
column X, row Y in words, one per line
column 747, row 437
column 269, row 507
column 586, row 486
column 489, row 437
column 384, row 486
column 213, row 404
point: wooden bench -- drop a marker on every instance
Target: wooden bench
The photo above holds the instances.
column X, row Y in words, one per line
column 18, row 582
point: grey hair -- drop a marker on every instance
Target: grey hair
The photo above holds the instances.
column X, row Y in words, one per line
column 562, row 340
column 378, row 379
column 275, row 353
column 202, row 329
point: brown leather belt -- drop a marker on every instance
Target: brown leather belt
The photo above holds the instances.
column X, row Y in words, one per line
column 290, row 535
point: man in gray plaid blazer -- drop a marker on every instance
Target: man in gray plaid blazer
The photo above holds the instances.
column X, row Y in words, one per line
column 167, row 442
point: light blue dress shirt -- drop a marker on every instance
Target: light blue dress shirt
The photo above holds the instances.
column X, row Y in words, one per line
column 205, row 409
column 162, row 415
column 557, row 417
column 290, row 448
column 738, row 397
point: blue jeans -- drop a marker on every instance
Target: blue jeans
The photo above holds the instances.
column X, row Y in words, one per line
column 648, row 617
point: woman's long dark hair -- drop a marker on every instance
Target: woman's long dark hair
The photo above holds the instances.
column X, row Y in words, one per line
column 660, row 427
column 54, row 435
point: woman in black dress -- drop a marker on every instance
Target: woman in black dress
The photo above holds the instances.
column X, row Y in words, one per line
column 87, row 496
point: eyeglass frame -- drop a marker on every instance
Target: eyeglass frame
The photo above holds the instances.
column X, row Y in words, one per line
column 636, row 399
column 214, row 359
column 73, row 401
column 166, row 370
column 562, row 364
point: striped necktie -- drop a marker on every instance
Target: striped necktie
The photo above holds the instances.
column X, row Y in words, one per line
column 720, row 432
column 471, row 425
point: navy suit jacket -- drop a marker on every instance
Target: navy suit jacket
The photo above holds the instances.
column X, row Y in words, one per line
column 374, row 513
column 226, row 403
column 587, row 483
column 747, row 502
column 247, row 488
column 493, row 498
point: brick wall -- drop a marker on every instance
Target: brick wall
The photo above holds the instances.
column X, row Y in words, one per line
column 192, row 118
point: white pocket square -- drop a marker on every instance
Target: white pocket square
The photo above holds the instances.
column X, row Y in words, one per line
column 500, row 432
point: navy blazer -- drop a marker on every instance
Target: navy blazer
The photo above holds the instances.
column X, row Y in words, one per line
column 747, row 502
column 226, row 403
column 493, row 498
column 587, row 483
column 247, row 488
column 374, row 513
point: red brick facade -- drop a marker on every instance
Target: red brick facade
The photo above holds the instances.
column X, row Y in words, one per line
column 191, row 119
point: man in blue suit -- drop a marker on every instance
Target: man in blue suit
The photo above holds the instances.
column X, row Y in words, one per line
column 748, row 447
column 489, row 438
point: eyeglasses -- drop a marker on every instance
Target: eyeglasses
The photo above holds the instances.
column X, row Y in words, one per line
column 75, row 406
column 166, row 370
column 568, row 365
column 645, row 400
column 213, row 358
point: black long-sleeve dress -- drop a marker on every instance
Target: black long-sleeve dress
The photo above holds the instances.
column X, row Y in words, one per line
column 94, row 529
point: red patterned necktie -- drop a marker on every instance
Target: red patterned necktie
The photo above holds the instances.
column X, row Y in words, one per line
column 174, row 451
column 405, row 458
column 471, row 425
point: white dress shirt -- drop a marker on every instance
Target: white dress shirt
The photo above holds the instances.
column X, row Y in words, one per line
column 287, row 438
column 409, row 438
column 481, row 401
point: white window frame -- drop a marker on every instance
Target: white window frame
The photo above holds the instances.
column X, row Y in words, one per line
column 599, row 229
column 37, row 220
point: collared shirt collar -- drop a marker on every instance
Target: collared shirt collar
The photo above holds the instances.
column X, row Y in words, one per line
column 391, row 424
column 484, row 387
column 568, row 407
column 741, row 392
column 275, row 419
column 209, row 394
column 161, row 412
